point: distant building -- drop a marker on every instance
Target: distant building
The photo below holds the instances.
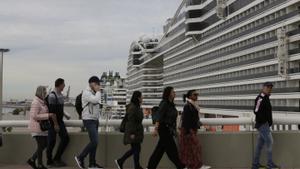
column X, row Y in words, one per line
column 114, row 97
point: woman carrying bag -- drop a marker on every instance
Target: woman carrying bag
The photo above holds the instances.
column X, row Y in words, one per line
column 133, row 130
column 166, row 129
column 39, row 124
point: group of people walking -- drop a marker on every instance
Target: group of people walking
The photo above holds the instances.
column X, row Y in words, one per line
column 183, row 150
column 189, row 155
column 46, row 122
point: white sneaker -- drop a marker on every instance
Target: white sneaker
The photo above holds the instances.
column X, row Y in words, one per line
column 79, row 163
column 205, row 167
column 96, row 166
column 117, row 163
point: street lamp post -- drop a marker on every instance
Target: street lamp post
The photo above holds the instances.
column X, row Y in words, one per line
column 2, row 51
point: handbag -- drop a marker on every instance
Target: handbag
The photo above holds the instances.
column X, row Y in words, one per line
column 1, row 141
column 123, row 124
column 45, row 125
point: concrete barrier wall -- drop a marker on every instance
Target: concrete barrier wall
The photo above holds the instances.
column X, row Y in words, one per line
column 234, row 150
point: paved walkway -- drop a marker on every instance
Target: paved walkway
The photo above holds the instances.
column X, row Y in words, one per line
column 27, row 167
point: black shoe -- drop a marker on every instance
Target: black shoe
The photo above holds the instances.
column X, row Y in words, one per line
column 50, row 164
column 139, row 167
column 31, row 163
column 119, row 164
column 59, row 163
column 259, row 166
column 79, row 162
column 42, row 167
column 273, row 166
column 95, row 166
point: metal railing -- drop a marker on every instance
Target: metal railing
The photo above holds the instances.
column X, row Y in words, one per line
column 148, row 122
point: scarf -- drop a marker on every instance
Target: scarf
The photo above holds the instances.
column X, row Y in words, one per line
column 194, row 104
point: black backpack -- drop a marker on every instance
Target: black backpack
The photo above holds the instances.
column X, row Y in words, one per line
column 78, row 104
column 47, row 99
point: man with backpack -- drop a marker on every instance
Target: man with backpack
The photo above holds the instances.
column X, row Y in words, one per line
column 55, row 101
column 91, row 103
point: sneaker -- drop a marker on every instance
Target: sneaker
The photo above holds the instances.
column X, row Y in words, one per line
column 32, row 163
column 273, row 166
column 59, row 163
column 95, row 166
column 259, row 166
column 119, row 164
column 80, row 163
column 205, row 167
column 139, row 167
column 42, row 167
column 50, row 163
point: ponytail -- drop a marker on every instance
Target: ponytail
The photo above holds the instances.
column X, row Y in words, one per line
column 184, row 97
column 188, row 95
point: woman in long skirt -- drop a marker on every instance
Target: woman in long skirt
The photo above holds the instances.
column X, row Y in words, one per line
column 190, row 147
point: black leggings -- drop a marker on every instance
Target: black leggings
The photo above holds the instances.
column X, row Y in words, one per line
column 166, row 144
column 41, row 146
column 135, row 151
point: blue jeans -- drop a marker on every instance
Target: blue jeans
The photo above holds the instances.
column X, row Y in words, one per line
column 264, row 138
column 135, row 151
column 91, row 149
column 64, row 141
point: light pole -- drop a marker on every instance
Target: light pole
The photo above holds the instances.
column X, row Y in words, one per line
column 2, row 51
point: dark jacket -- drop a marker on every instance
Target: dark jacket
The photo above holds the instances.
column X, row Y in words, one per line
column 134, row 124
column 190, row 118
column 263, row 110
column 167, row 115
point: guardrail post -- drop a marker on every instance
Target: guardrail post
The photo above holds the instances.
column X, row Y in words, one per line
column 106, row 139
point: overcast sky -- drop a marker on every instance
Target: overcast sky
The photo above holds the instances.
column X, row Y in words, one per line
column 73, row 39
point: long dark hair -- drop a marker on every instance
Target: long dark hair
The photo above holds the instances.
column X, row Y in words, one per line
column 167, row 92
column 135, row 98
column 188, row 95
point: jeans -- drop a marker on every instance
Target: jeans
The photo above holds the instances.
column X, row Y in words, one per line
column 135, row 151
column 41, row 146
column 92, row 129
column 264, row 138
column 64, row 141
column 166, row 144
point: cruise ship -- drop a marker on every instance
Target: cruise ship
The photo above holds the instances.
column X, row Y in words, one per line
column 225, row 49
column 142, row 76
